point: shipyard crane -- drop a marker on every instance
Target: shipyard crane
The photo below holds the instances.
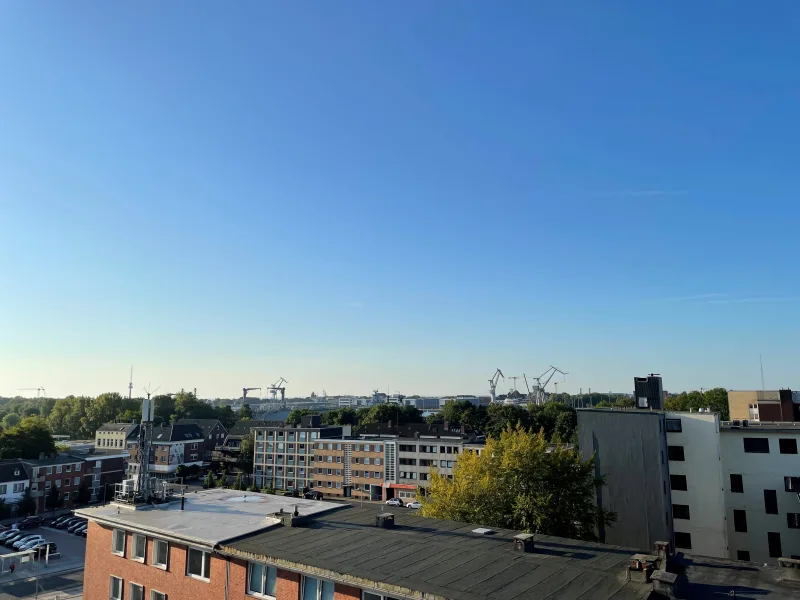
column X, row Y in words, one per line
column 38, row 390
column 245, row 390
column 493, row 384
column 278, row 387
column 540, row 394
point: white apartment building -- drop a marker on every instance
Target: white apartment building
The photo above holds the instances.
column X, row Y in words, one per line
column 761, row 476
column 696, row 483
column 13, row 482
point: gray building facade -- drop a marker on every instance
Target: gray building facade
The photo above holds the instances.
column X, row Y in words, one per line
column 630, row 451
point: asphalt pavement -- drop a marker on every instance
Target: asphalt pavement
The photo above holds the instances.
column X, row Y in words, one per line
column 66, row 583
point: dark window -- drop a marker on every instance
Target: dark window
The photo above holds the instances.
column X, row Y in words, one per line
column 683, row 540
column 736, row 484
column 677, row 482
column 793, row 520
column 788, row 446
column 740, row 520
column 680, row 511
column 792, row 484
column 771, row 502
column 758, row 445
column 774, row 541
column 743, row 555
column 675, row 452
column 674, row 425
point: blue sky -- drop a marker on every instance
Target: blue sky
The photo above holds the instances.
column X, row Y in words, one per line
column 353, row 195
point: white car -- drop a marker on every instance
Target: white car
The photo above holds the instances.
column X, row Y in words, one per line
column 394, row 502
column 414, row 504
column 27, row 540
column 31, row 544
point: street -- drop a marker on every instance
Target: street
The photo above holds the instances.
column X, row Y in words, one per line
column 61, row 585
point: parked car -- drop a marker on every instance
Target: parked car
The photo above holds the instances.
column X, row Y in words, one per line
column 415, row 504
column 69, row 522
column 29, row 544
column 80, row 529
column 27, row 539
column 313, row 495
column 7, row 534
column 83, row 532
column 394, row 502
column 77, row 525
column 61, row 519
column 29, row 522
column 41, row 548
column 15, row 538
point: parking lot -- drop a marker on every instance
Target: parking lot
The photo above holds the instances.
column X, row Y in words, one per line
column 72, row 549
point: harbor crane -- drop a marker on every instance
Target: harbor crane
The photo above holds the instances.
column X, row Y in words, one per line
column 245, row 390
column 276, row 387
column 493, row 384
column 539, row 395
column 38, row 390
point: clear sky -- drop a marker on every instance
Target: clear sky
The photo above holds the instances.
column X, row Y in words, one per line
column 404, row 196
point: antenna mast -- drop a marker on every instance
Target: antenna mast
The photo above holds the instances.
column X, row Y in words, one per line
column 145, row 438
column 130, row 385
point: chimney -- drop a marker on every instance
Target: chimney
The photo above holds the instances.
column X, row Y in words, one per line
column 641, row 567
column 446, row 425
column 664, row 584
column 789, row 569
column 523, row 542
column 384, row 520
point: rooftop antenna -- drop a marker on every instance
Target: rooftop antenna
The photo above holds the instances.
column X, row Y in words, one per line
column 130, row 385
column 761, row 362
column 145, row 437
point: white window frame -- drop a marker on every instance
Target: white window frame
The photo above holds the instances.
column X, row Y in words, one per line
column 131, row 585
column 158, row 565
column 156, row 595
column 206, row 576
column 143, row 557
column 58, row 468
column 264, row 578
column 114, row 535
column 111, row 588
column 319, row 587
column 375, row 596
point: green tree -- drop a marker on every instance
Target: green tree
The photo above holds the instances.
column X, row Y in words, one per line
column 210, row 481
column 245, row 461
column 84, row 494
column 27, row 440
column 164, row 408
column 11, row 420
column 517, row 483
column 223, row 477
column 53, row 500
column 399, row 415
column 342, row 416
column 26, row 505
column 226, row 416
column 187, row 406
column 294, row 416
column 238, row 483
column 68, row 417
column 245, row 412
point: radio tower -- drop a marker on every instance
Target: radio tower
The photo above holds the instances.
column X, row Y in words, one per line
column 130, row 385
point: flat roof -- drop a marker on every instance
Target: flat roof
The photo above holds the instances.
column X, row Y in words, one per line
column 445, row 559
column 209, row 516
column 760, row 426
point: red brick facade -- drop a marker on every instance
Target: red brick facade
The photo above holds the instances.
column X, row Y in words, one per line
column 101, row 564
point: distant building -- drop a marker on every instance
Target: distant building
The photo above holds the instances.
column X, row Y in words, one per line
column 648, row 392
column 14, row 481
column 170, row 447
column 214, row 434
column 115, row 435
column 775, row 406
column 63, row 472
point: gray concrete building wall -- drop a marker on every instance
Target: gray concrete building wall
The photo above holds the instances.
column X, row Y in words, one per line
column 630, row 450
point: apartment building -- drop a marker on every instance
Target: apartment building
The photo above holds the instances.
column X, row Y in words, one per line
column 774, row 406
column 214, row 434
column 275, row 548
column 116, row 435
column 63, row 472
column 284, row 454
column 350, row 468
column 102, row 470
column 761, row 476
column 14, row 481
column 170, row 447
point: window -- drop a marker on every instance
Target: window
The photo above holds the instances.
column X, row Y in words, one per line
column 58, row 483
column 115, row 588
column 154, row 595
column 261, row 580
column 198, row 563
column 49, row 470
column 683, row 540
column 771, row 502
column 793, row 520
column 18, row 487
column 58, row 468
column 675, row 452
column 737, row 486
column 137, row 592
column 674, row 425
column 371, row 596
column 118, row 542
column 138, row 547
column 680, row 511
column 160, row 553
column 77, row 481
column 66, row 496
column 677, row 482
column 47, row 485
column 366, row 461
column 792, row 484
column 377, row 461
column 757, row 445
column 67, row 482
column 742, row 555
column 316, row 589
column 740, row 521
column 788, row 446
column 774, row 542
column 69, row 468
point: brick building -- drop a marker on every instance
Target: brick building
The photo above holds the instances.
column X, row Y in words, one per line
column 276, row 548
column 64, row 472
column 349, row 469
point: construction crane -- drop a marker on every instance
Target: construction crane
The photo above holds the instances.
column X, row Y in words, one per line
column 278, row 387
column 245, row 390
column 539, row 391
column 39, row 390
column 493, row 384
